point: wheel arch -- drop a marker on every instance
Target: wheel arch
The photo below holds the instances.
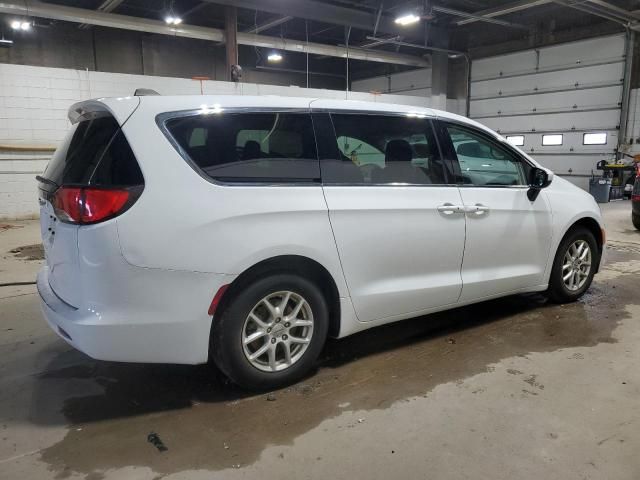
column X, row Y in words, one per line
column 295, row 264
column 592, row 225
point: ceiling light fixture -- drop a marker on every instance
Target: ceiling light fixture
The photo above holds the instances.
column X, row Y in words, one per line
column 407, row 19
column 274, row 57
column 171, row 20
column 20, row 25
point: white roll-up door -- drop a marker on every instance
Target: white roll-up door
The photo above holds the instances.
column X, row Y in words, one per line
column 573, row 90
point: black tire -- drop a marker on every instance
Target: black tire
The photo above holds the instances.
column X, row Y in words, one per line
column 558, row 292
column 226, row 333
column 635, row 218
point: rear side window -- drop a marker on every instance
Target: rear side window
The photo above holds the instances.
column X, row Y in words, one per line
column 95, row 152
column 248, row 147
column 384, row 149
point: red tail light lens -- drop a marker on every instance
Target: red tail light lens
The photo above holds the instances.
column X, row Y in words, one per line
column 86, row 205
column 635, row 198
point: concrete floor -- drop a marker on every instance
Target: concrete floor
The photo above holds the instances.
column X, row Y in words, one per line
column 514, row 388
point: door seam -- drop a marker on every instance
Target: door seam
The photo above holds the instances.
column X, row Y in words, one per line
column 335, row 243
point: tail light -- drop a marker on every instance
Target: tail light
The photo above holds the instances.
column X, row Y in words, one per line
column 87, row 205
column 635, row 198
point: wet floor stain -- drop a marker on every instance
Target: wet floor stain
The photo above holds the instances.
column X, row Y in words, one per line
column 206, row 423
column 29, row 252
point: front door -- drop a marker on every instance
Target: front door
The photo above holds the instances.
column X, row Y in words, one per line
column 397, row 221
column 508, row 236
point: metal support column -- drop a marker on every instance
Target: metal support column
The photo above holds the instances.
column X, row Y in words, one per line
column 231, row 38
column 626, row 88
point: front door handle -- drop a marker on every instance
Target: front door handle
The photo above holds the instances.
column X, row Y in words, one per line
column 450, row 208
column 477, row 210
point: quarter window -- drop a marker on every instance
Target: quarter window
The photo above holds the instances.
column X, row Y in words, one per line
column 384, row 149
column 484, row 161
column 249, row 147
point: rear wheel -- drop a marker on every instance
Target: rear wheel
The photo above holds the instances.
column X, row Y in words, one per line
column 574, row 266
column 271, row 332
column 635, row 218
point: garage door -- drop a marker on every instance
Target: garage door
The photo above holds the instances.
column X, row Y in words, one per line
column 560, row 104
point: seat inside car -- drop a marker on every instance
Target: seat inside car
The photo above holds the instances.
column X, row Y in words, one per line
column 398, row 167
column 251, row 150
column 470, row 149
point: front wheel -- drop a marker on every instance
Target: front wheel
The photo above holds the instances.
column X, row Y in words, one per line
column 271, row 333
column 574, row 266
column 635, row 218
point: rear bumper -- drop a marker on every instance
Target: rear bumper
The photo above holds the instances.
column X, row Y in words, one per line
column 167, row 322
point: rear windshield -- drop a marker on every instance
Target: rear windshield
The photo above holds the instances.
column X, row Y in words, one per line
column 253, row 147
column 95, row 152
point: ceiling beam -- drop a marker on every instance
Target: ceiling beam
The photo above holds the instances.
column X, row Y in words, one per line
column 32, row 8
column 458, row 13
column 106, row 6
column 615, row 9
column 270, row 24
column 583, row 6
column 516, row 6
column 320, row 12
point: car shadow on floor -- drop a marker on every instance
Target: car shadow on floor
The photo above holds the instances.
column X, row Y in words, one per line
column 448, row 345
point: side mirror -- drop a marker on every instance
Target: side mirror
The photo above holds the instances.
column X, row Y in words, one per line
column 538, row 179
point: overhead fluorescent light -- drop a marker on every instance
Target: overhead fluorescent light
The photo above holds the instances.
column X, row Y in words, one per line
column 407, row 19
column 274, row 57
column 20, row 25
column 171, row 20
column 5, row 42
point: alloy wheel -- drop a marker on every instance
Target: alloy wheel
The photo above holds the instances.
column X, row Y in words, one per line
column 576, row 265
column 277, row 331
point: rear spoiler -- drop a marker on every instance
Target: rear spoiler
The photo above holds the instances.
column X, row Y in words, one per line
column 121, row 108
column 144, row 92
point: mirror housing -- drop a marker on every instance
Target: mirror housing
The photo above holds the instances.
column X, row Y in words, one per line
column 538, row 179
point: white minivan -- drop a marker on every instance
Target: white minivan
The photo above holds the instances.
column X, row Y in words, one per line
column 245, row 230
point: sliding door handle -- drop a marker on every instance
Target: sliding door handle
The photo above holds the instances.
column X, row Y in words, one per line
column 450, row 209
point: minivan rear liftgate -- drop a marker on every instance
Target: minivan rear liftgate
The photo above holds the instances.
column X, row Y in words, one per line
column 92, row 177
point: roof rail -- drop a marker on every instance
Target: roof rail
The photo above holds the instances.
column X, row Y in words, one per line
column 143, row 92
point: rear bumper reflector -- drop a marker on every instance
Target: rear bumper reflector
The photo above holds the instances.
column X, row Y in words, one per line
column 216, row 299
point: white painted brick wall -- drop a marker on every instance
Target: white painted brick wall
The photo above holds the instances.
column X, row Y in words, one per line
column 33, row 111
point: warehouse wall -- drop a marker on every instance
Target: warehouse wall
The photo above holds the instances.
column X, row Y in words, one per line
column 33, row 112
column 414, row 83
column 569, row 89
column 419, row 82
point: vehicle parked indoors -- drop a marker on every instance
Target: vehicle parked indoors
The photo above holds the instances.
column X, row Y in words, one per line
column 246, row 230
